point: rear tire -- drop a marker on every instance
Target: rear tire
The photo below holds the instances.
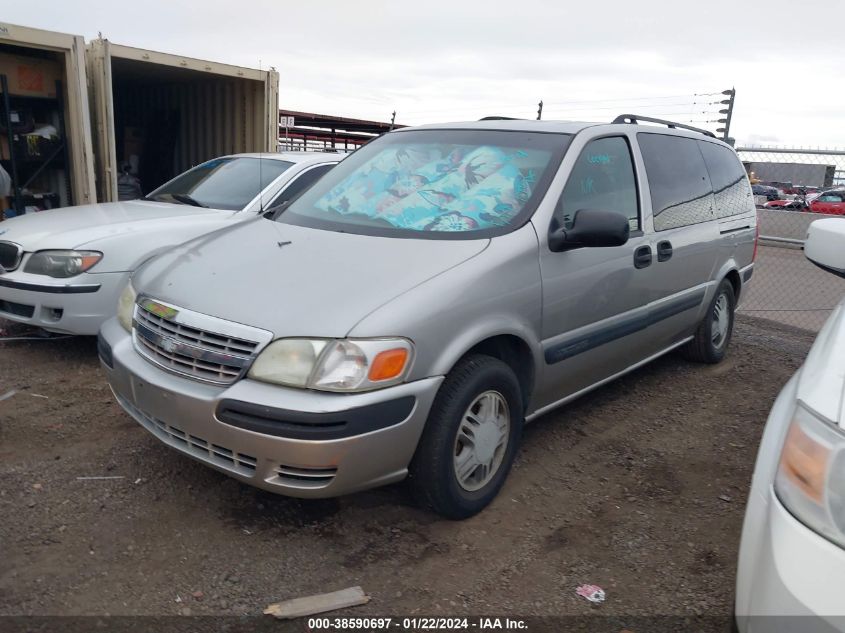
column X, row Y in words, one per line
column 713, row 335
column 470, row 438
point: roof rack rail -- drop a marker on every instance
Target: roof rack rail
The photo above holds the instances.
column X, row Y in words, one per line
column 500, row 118
column 636, row 118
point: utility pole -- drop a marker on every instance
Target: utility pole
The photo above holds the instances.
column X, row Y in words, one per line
column 731, row 94
column 540, row 110
column 392, row 120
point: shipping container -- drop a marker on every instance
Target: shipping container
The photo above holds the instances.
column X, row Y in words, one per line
column 788, row 174
column 157, row 114
column 45, row 126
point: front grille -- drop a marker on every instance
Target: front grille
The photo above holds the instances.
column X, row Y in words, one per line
column 305, row 477
column 192, row 351
column 10, row 255
column 195, row 446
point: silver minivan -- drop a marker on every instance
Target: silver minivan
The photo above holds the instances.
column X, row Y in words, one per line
column 436, row 290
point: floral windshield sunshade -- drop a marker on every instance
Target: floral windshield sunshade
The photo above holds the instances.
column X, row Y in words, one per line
column 439, row 187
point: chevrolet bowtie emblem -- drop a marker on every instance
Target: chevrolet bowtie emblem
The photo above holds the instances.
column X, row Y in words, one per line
column 158, row 309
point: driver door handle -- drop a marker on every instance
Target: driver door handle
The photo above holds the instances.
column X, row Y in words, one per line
column 664, row 251
column 642, row 257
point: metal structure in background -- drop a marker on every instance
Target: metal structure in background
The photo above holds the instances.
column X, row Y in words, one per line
column 729, row 111
column 786, row 287
column 324, row 132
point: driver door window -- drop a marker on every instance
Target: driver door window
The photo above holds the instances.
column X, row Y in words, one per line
column 602, row 178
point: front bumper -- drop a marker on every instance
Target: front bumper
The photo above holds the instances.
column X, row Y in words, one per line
column 788, row 578
column 186, row 415
column 69, row 306
column 797, row 580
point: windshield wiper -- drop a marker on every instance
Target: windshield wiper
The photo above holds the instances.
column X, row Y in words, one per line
column 184, row 198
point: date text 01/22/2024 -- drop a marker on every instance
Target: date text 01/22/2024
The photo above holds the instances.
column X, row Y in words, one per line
column 416, row 624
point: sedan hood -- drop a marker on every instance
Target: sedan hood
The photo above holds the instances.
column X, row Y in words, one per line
column 296, row 281
column 75, row 227
column 822, row 383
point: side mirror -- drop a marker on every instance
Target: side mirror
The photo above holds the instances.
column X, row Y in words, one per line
column 591, row 227
column 825, row 245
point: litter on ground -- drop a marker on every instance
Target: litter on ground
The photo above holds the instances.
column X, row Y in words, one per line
column 320, row 603
column 593, row 593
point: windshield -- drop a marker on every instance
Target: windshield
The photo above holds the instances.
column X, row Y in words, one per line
column 222, row 183
column 441, row 184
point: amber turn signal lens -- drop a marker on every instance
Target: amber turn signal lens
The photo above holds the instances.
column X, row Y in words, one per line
column 804, row 462
column 388, row 364
column 89, row 260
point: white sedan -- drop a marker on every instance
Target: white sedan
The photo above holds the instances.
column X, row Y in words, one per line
column 63, row 270
column 792, row 553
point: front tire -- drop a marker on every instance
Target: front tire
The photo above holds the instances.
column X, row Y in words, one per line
column 714, row 333
column 470, row 439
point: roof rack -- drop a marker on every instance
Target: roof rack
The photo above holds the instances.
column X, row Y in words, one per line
column 636, row 118
column 500, row 118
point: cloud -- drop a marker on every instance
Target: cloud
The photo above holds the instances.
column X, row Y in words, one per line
column 449, row 60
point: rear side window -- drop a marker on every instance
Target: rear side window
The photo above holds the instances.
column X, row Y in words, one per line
column 677, row 177
column 602, row 178
column 729, row 180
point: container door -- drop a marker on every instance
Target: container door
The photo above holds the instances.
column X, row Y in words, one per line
column 271, row 110
column 98, row 58
column 78, row 126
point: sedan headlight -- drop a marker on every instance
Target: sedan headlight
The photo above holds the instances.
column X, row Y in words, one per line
column 126, row 306
column 61, row 264
column 334, row 365
column 811, row 476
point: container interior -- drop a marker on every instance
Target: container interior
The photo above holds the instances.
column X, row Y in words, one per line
column 33, row 140
column 168, row 119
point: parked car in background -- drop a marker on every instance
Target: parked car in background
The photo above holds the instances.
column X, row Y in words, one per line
column 795, row 204
column 792, row 552
column 435, row 290
column 64, row 269
column 830, row 202
column 765, row 190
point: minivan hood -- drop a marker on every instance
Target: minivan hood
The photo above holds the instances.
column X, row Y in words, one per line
column 74, row 227
column 822, row 383
column 293, row 280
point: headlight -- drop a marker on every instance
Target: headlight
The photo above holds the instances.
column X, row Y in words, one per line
column 334, row 365
column 126, row 306
column 811, row 476
column 61, row 264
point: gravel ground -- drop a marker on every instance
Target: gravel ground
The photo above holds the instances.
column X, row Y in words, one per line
column 639, row 487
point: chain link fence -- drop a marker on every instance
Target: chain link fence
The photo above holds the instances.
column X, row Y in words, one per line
column 786, row 287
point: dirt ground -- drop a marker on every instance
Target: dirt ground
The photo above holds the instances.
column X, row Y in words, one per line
column 639, row 487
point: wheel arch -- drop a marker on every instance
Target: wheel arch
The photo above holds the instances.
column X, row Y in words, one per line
column 511, row 348
column 730, row 271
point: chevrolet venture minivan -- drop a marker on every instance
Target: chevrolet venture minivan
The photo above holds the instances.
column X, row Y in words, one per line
column 440, row 287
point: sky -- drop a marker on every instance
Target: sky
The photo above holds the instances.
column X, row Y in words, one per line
column 437, row 61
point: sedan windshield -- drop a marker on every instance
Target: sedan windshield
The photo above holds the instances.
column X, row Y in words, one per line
column 441, row 184
column 222, row 183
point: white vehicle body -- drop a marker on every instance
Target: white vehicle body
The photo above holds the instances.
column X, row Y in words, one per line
column 127, row 234
column 792, row 553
